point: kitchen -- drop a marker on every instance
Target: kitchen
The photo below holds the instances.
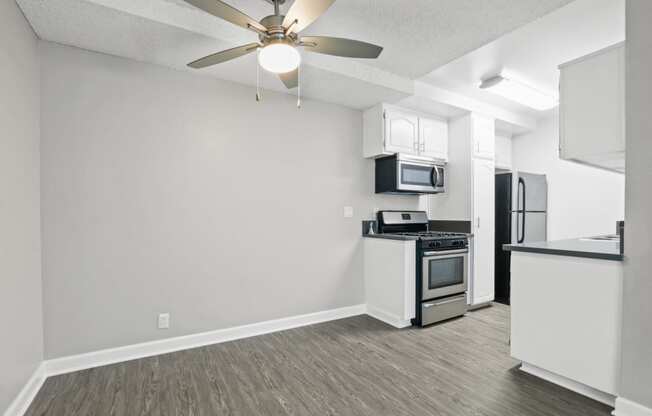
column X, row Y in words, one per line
column 327, row 217
column 498, row 192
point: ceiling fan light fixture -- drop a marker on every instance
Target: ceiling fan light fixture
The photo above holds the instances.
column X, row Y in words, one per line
column 279, row 58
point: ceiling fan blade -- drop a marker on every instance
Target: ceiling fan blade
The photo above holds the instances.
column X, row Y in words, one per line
column 304, row 12
column 227, row 55
column 341, row 47
column 230, row 14
column 290, row 79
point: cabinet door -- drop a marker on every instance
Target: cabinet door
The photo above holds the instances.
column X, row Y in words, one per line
column 433, row 138
column 592, row 107
column 482, row 285
column 401, row 132
column 484, row 137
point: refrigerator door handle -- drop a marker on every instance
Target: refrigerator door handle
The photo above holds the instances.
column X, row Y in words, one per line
column 518, row 211
column 521, row 195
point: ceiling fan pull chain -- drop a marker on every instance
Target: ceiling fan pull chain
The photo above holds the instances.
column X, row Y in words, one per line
column 299, row 86
column 258, row 78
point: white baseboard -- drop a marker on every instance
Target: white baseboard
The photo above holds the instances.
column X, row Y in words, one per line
column 626, row 407
column 477, row 306
column 147, row 349
column 20, row 404
column 579, row 388
column 388, row 318
column 481, row 301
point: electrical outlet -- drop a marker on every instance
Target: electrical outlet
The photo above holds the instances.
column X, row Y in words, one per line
column 164, row 321
column 348, row 212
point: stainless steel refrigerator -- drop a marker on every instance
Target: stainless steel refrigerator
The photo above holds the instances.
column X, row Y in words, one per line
column 521, row 217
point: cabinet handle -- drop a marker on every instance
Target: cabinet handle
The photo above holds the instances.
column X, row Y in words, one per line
column 478, row 222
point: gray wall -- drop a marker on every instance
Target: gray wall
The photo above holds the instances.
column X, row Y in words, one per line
column 637, row 313
column 166, row 191
column 21, row 342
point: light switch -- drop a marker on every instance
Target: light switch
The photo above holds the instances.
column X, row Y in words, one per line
column 348, row 212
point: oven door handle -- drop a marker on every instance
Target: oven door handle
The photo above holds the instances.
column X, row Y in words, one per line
column 444, row 302
column 444, row 253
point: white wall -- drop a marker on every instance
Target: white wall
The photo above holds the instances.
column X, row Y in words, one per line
column 637, row 307
column 165, row 191
column 582, row 200
column 21, row 339
column 503, row 150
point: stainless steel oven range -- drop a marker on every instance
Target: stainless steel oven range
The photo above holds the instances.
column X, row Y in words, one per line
column 442, row 260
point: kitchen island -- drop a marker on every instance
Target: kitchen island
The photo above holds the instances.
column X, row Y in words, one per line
column 566, row 308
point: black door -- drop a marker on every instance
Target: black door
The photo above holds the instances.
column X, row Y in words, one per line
column 503, row 236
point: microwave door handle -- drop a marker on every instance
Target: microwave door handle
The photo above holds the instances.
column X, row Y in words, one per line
column 435, row 176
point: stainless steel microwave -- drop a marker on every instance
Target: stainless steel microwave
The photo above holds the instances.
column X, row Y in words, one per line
column 401, row 174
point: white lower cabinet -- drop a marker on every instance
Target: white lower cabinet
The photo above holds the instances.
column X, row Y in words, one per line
column 390, row 280
column 573, row 333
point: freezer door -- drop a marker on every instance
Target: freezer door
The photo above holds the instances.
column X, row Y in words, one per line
column 529, row 227
column 531, row 189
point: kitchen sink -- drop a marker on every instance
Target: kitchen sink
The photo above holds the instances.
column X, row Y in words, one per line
column 611, row 237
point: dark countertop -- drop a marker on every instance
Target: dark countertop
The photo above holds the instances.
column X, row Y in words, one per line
column 391, row 237
column 579, row 247
column 400, row 237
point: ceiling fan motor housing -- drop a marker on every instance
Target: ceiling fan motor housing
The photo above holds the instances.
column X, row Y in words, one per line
column 276, row 31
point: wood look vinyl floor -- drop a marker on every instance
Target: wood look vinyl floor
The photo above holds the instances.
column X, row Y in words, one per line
column 353, row 366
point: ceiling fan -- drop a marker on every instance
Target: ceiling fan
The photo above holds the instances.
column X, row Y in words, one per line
column 279, row 38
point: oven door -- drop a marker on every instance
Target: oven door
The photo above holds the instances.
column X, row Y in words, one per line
column 444, row 273
column 416, row 176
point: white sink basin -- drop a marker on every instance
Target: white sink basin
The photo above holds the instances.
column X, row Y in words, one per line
column 607, row 238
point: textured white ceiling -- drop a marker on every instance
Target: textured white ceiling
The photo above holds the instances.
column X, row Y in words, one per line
column 421, row 35
column 533, row 52
column 418, row 36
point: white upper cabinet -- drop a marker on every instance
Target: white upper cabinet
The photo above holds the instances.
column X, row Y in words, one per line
column 389, row 130
column 484, row 137
column 592, row 109
column 401, row 132
column 433, row 135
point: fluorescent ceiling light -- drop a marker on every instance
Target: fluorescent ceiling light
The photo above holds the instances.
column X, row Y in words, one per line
column 279, row 58
column 520, row 93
